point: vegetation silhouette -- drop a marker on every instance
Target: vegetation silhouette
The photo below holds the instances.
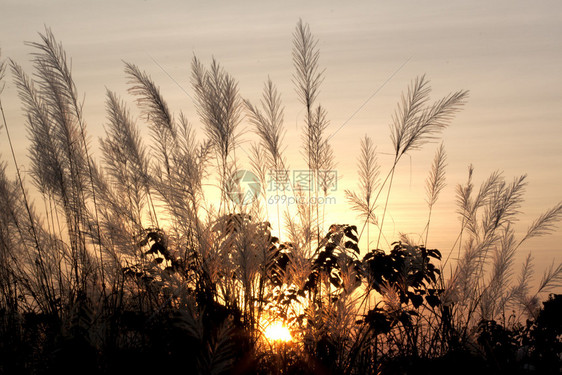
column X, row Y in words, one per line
column 126, row 267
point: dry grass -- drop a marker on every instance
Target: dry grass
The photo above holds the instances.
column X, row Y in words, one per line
column 105, row 273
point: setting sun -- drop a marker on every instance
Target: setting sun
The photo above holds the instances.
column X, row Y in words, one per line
column 276, row 331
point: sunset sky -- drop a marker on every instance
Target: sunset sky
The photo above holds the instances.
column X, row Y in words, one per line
column 508, row 54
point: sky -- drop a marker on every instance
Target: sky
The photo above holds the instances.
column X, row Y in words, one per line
column 508, row 54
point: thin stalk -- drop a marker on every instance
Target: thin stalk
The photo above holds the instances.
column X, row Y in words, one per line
column 391, row 172
column 386, row 204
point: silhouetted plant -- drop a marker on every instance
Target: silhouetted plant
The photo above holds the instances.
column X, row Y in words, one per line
column 132, row 268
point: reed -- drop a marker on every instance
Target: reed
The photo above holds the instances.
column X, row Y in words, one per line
column 128, row 264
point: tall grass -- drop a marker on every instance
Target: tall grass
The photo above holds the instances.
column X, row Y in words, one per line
column 369, row 181
column 128, row 266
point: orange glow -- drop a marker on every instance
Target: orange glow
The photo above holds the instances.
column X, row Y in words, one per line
column 276, row 331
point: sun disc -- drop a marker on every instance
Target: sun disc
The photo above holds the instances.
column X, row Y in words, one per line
column 276, row 331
